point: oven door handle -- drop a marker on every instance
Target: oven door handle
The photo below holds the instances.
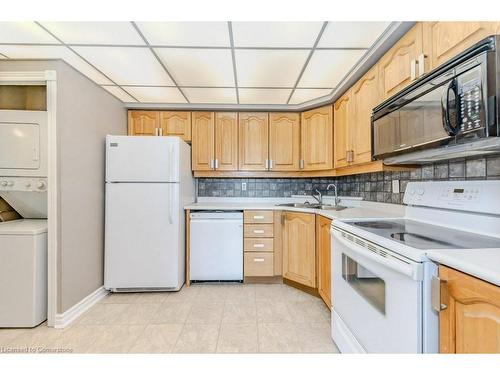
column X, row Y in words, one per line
column 414, row 271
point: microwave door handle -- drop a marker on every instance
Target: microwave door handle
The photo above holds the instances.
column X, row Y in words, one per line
column 445, row 109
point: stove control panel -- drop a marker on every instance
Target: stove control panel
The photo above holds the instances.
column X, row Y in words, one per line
column 474, row 196
column 37, row 184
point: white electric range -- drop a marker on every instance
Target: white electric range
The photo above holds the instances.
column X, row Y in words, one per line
column 381, row 276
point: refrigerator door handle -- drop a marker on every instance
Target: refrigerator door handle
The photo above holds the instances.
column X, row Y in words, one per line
column 170, row 205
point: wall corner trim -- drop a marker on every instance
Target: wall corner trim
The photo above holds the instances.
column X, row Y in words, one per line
column 64, row 319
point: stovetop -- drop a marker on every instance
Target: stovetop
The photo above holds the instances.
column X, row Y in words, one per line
column 425, row 236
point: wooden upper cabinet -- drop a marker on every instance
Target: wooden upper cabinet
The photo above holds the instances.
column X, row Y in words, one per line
column 203, row 142
column 323, row 254
column 284, row 141
column 317, row 139
column 176, row 123
column 398, row 67
column 342, row 123
column 365, row 96
column 143, row 122
column 299, row 248
column 444, row 40
column 253, row 141
column 470, row 323
column 226, row 141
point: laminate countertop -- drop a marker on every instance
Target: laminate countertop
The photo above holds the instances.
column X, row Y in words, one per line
column 356, row 208
column 481, row 263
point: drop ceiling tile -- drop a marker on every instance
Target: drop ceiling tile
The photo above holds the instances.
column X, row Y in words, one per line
column 156, row 94
column 95, row 32
column 24, row 32
column 207, row 34
column 127, row 65
column 267, row 68
column 304, row 95
column 264, row 96
column 351, row 34
column 119, row 93
column 198, row 67
column 55, row 52
column 211, row 95
column 275, row 34
column 327, row 68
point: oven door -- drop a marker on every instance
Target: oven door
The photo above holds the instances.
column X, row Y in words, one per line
column 23, row 143
column 377, row 298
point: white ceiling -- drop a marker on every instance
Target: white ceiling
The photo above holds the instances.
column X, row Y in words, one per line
column 200, row 62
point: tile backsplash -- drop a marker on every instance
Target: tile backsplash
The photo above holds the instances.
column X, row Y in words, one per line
column 375, row 187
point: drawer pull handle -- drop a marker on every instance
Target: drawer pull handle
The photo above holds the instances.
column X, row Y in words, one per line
column 258, row 231
column 258, row 217
column 258, row 259
column 258, row 245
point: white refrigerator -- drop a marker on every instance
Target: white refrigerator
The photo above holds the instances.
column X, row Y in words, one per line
column 148, row 182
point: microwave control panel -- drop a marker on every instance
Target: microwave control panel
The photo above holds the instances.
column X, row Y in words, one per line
column 470, row 100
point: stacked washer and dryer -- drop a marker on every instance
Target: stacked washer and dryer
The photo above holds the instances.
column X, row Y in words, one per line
column 23, row 242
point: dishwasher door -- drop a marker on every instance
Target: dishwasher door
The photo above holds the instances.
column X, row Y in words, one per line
column 216, row 246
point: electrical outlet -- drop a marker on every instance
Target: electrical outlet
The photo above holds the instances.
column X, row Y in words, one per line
column 243, row 186
column 395, row 186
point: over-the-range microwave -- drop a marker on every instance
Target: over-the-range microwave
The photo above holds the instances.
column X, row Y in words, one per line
column 451, row 112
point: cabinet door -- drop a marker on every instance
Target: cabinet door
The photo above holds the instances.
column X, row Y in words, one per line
column 342, row 120
column 395, row 67
column 284, row 141
column 471, row 321
column 176, row 123
column 299, row 248
column 365, row 96
column 444, row 40
column 317, row 139
column 226, row 141
column 253, row 141
column 143, row 122
column 323, row 253
column 203, row 145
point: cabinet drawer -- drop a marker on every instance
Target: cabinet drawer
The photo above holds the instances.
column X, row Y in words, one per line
column 259, row 264
column 259, row 244
column 259, row 230
column 254, row 217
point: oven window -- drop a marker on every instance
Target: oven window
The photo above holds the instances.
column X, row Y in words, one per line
column 365, row 283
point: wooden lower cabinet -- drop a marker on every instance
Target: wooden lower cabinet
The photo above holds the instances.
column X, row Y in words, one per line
column 262, row 243
column 299, row 248
column 323, row 256
column 470, row 322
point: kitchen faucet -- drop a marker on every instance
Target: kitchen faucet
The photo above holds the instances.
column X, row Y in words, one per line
column 337, row 200
column 318, row 197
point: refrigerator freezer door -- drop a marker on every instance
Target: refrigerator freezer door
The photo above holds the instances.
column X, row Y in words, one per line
column 142, row 247
column 142, row 159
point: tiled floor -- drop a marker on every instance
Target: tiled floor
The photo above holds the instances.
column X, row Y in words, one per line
column 228, row 318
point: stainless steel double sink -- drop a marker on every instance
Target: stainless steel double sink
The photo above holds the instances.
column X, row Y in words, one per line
column 313, row 205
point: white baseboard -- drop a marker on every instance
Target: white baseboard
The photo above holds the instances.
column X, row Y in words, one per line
column 64, row 319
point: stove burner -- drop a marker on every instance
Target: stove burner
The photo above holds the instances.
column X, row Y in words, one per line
column 405, row 236
column 376, row 224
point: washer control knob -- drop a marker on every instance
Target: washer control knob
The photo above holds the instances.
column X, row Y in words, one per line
column 10, row 183
column 4, row 183
column 421, row 191
column 28, row 184
column 40, row 185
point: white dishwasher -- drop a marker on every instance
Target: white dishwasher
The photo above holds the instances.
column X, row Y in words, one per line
column 216, row 246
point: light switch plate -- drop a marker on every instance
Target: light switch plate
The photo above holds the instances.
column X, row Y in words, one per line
column 395, row 186
column 243, row 186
